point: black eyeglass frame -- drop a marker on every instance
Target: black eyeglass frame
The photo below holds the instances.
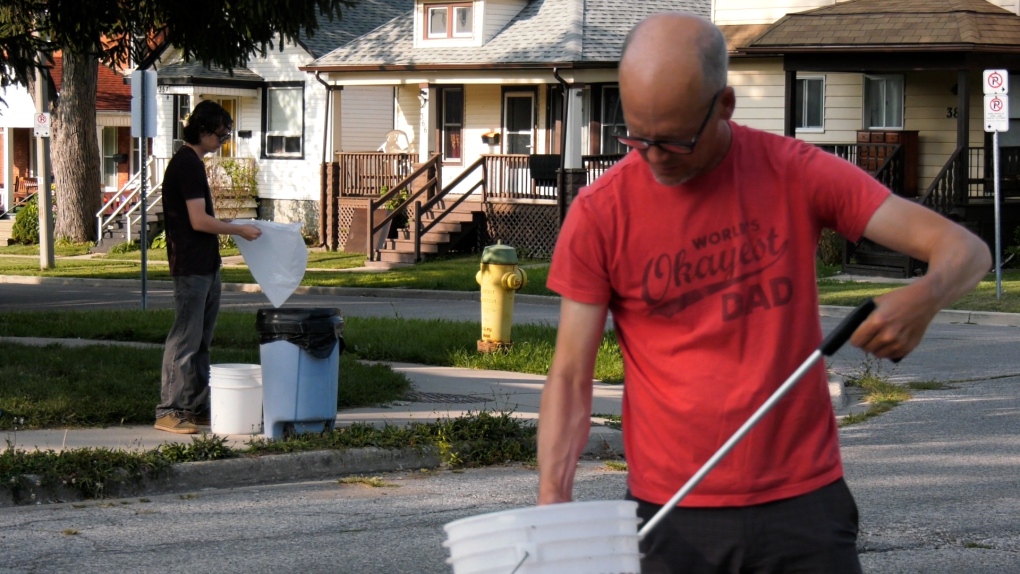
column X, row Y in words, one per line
column 671, row 146
column 225, row 137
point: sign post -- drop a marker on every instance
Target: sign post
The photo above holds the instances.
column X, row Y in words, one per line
column 996, row 88
column 143, row 124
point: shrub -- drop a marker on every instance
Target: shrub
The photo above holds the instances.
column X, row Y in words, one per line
column 126, row 247
column 830, row 247
column 159, row 241
column 26, row 224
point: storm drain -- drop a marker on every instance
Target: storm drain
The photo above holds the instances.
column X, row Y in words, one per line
column 444, row 398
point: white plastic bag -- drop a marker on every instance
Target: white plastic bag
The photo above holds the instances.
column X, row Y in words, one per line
column 277, row 259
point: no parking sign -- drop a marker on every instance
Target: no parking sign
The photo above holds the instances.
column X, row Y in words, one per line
column 41, row 123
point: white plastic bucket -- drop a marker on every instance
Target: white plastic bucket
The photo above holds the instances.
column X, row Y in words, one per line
column 571, row 538
column 235, row 398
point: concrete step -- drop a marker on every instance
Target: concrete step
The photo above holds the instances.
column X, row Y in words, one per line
column 386, row 264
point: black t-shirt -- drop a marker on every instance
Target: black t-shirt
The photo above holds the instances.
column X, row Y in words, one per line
column 191, row 252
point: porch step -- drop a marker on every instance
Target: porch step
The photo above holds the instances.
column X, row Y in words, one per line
column 453, row 228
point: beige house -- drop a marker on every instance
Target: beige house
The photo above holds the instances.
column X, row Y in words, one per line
column 501, row 96
column 893, row 85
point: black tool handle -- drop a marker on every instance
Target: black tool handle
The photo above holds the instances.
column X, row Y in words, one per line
column 842, row 333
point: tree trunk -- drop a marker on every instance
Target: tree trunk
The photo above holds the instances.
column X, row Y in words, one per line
column 75, row 150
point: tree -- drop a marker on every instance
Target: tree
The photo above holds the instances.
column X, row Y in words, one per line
column 224, row 33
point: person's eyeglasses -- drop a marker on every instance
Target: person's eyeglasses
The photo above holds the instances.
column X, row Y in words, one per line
column 224, row 137
column 679, row 147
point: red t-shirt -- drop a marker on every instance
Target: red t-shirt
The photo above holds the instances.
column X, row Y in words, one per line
column 712, row 290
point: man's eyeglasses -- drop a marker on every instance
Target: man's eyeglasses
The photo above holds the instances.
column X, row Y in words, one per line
column 224, row 137
column 678, row 147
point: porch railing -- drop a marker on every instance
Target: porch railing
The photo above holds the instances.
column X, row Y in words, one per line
column 428, row 189
column 596, row 165
column 947, row 190
column 127, row 200
column 886, row 162
column 980, row 183
column 366, row 174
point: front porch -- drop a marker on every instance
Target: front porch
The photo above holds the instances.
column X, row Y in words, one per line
column 516, row 198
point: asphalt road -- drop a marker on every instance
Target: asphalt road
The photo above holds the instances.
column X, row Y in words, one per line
column 935, row 480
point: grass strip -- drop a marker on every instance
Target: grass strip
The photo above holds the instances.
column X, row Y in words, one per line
column 474, row 440
column 108, row 385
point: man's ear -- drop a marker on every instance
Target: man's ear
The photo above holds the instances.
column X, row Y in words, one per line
column 727, row 102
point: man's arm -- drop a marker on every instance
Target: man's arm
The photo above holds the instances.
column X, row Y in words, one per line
column 564, row 417
column 957, row 260
column 202, row 221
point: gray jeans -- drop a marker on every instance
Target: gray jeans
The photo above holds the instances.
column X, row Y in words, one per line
column 185, row 387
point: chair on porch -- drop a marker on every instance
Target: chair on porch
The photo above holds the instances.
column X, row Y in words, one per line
column 24, row 188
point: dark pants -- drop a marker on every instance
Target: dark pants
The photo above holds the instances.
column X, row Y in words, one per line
column 185, row 387
column 812, row 533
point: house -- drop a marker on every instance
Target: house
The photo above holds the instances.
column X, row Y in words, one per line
column 491, row 81
column 892, row 85
column 113, row 123
column 279, row 113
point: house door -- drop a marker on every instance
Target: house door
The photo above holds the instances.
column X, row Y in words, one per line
column 229, row 149
column 519, row 122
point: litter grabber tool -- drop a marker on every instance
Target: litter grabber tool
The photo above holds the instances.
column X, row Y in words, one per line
column 829, row 346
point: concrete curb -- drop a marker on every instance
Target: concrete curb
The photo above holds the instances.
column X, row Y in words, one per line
column 236, row 473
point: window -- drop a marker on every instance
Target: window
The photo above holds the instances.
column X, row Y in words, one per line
column 448, row 21
column 284, row 122
column 612, row 121
column 110, row 158
column 182, row 108
column 451, row 122
column 883, row 102
column 810, row 104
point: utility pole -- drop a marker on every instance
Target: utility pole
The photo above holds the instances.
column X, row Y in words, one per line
column 42, row 157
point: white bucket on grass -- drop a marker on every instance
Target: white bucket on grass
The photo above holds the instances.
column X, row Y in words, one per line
column 599, row 537
column 235, row 398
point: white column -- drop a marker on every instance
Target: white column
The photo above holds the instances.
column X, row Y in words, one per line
column 8, row 198
column 426, row 122
column 573, row 124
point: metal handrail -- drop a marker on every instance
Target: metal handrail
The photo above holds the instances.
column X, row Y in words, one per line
column 134, row 185
column 149, row 206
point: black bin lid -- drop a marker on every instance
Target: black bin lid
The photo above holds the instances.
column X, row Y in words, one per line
column 297, row 320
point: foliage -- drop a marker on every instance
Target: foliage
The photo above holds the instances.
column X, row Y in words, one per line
column 472, row 440
column 26, row 224
column 109, row 28
column 400, row 220
column 159, row 241
column 125, row 247
column 830, row 248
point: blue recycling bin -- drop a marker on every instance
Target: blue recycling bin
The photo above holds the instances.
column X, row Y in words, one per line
column 300, row 353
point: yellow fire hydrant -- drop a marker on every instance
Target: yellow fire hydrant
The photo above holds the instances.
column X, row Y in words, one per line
column 499, row 277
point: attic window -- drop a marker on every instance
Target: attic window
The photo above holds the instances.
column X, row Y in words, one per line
column 448, row 21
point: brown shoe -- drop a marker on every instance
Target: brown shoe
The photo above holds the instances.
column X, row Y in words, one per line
column 199, row 420
column 176, row 423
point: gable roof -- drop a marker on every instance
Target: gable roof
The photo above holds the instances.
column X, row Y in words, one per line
column 543, row 33
column 112, row 94
column 915, row 25
column 353, row 22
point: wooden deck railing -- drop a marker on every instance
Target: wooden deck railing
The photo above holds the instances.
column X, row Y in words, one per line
column 980, row 183
column 947, row 190
column 366, row 174
column 599, row 164
column 884, row 161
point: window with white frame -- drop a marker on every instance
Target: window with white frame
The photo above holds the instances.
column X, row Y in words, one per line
column 883, row 102
column 448, row 21
column 612, row 121
column 110, row 159
column 451, row 122
column 284, row 121
column 810, row 108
